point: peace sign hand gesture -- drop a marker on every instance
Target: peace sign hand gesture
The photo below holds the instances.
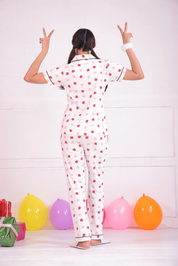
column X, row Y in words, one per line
column 45, row 41
column 125, row 36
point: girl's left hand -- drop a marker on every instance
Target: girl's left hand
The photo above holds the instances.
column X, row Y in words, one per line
column 45, row 41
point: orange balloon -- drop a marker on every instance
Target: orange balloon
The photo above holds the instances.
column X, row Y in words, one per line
column 147, row 213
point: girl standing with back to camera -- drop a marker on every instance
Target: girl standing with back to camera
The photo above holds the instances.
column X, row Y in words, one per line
column 84, row 132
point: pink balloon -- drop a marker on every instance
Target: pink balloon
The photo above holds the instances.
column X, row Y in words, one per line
column 119, row 214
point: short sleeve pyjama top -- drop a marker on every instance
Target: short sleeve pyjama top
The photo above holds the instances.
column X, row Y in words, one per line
column 84, row 80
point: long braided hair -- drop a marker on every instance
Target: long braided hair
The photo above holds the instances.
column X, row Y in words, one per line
column 83, row 39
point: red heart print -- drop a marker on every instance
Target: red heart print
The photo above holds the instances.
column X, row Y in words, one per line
column 76, row 161
column 93, row 205
column 97, row 225
column 76, row 193
column 81, row 220
column 81, row 76
column 79, row 208
column 82, row 91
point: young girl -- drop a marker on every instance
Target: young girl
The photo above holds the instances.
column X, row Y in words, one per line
column 84, row 132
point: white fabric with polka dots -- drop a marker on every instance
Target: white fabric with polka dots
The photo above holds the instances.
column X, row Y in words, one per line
column 84, row 80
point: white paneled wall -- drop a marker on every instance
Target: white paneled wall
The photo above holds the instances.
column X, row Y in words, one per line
column 142, row 115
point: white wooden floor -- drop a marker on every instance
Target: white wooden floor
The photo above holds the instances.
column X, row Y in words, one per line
column 132, row 246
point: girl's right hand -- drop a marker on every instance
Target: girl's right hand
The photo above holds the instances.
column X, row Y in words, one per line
column 125, row 36
column 45, row 41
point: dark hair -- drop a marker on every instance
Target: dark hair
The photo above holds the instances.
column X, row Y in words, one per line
column 83, row 39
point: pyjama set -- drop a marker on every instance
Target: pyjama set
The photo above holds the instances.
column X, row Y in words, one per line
column 84, row 137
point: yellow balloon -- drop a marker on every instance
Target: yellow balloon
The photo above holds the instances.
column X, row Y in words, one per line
column 33, row 212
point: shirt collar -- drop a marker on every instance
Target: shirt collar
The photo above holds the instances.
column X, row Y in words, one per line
column 83, row 57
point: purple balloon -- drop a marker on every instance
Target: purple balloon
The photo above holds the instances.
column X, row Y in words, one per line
column 60, row 215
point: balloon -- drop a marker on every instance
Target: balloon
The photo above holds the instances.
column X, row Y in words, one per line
column 60, row 215
column 147, row 213
column 119, row 214
column 104, row 215
column 33, row 212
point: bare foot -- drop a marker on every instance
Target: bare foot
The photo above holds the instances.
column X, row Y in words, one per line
column 84, row 244
column 95, row 241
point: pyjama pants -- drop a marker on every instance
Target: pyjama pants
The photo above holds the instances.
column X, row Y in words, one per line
column 87, row 213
